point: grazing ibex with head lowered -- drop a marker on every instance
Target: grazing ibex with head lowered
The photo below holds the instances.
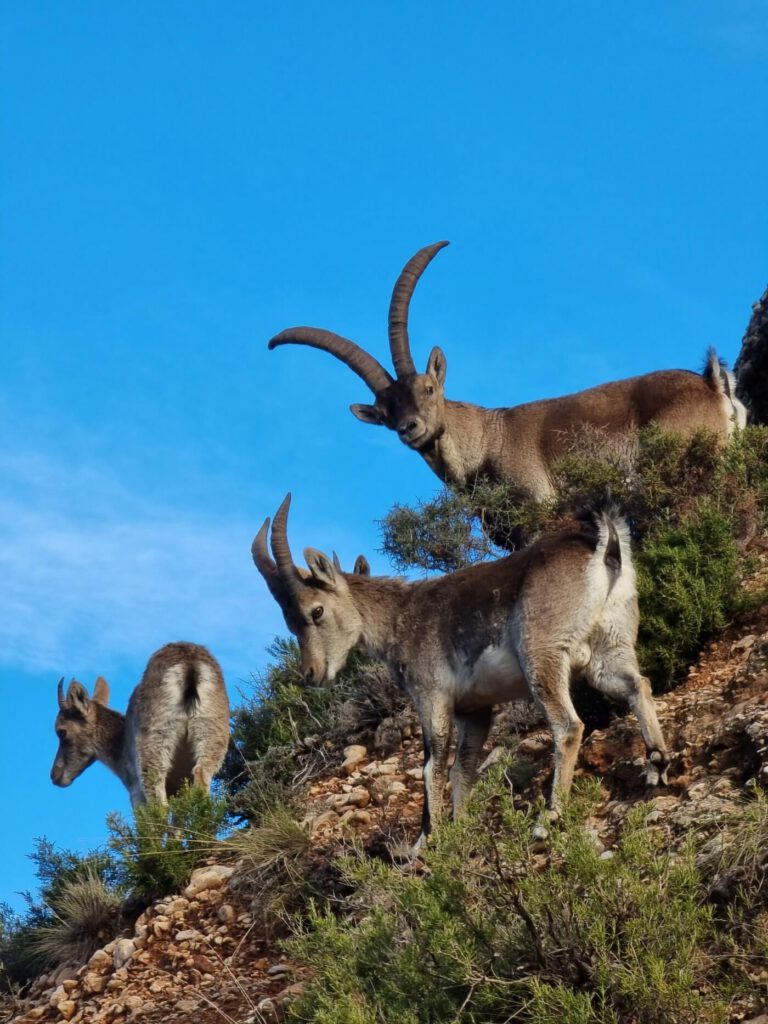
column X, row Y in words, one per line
column 176, row 727
column 497, row 631
column 462, row 442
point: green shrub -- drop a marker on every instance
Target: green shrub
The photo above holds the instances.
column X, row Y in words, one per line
column 159, row 850
column 687, row 576
column 496, row 932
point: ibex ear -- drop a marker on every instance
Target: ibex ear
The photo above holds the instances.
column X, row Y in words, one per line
column 101, row 691
column 362, row 568
column 320, row 566
column 77, row 698
column 437, row 365
column 368, row 414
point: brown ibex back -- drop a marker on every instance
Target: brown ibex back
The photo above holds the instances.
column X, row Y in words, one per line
column 176, row 727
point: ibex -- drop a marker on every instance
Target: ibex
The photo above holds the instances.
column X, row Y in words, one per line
column 176, row 727
column 462, row 442
column 518, row 627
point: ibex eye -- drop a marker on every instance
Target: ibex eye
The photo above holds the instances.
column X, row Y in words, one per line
column 317, row 613
column 429, row 389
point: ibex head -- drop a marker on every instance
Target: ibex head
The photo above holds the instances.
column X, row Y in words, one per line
column 412, row 403
column 316, row 605
column 77, row 728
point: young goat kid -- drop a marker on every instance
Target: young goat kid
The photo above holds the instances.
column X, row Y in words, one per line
column 176, row 727
column 519, row 627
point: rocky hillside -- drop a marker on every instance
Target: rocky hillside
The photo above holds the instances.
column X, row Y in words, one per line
column 209, row 953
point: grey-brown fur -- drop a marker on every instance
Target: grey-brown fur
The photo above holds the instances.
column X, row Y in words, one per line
column 461, row 442
column 493, row 632
column 176, row 726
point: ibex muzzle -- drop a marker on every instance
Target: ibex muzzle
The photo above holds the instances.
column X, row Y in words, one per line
column 519, row 627
column 519, row 444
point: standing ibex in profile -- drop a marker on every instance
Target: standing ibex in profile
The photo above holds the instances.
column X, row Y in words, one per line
column 497, row 631
column 176, row 727
column 462, row 442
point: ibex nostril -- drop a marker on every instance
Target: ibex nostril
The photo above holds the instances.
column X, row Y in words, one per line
column 407, row 428
column 309, row 675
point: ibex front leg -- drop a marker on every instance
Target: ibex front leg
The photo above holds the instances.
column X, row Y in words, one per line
column 473, row 732
column 436, row 722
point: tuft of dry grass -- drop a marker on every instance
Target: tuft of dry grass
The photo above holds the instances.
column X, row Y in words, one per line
column 86, row 917
column 274, row 865
column 278, row 837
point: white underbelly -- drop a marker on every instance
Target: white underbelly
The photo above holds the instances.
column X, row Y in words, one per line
column 495, row 678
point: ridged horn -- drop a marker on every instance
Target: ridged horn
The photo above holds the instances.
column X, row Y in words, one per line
column 399, row 345
column 264, row 563
column 289, row 574
column 60, row 694
column 356, row 358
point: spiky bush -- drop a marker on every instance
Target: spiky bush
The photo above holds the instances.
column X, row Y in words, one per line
column 158, row 850
column 85, row 917
column 496, row 932
column 75, row 912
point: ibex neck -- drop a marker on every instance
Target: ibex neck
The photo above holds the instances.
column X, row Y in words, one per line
column 381, row 603
column 111, row 737
column 464, row 449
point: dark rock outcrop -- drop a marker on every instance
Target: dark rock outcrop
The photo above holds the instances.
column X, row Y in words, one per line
column 751, row 367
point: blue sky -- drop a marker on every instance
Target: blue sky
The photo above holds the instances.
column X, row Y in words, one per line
column 182, row 180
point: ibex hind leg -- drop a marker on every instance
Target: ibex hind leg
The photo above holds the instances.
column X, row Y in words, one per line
column 208, row 751
column 154, row 778
column 473, row 732
column 548, row 674
column 619, row 678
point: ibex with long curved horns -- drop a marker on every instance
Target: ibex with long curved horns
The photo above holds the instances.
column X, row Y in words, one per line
column 519, row 444
column 497, row 631
column 176, row 727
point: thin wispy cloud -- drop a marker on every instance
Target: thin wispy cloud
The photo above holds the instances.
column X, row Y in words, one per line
column 92, row 572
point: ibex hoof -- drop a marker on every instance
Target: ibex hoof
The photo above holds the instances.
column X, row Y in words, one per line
column 403, row 854
column 656, row 771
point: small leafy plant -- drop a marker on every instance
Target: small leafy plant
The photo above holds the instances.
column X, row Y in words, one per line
column 158, row 851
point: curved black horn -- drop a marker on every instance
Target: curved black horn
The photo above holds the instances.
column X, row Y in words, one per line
column 289, row 574
column 356, row 358
column 399, row 344
column 60, row 694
